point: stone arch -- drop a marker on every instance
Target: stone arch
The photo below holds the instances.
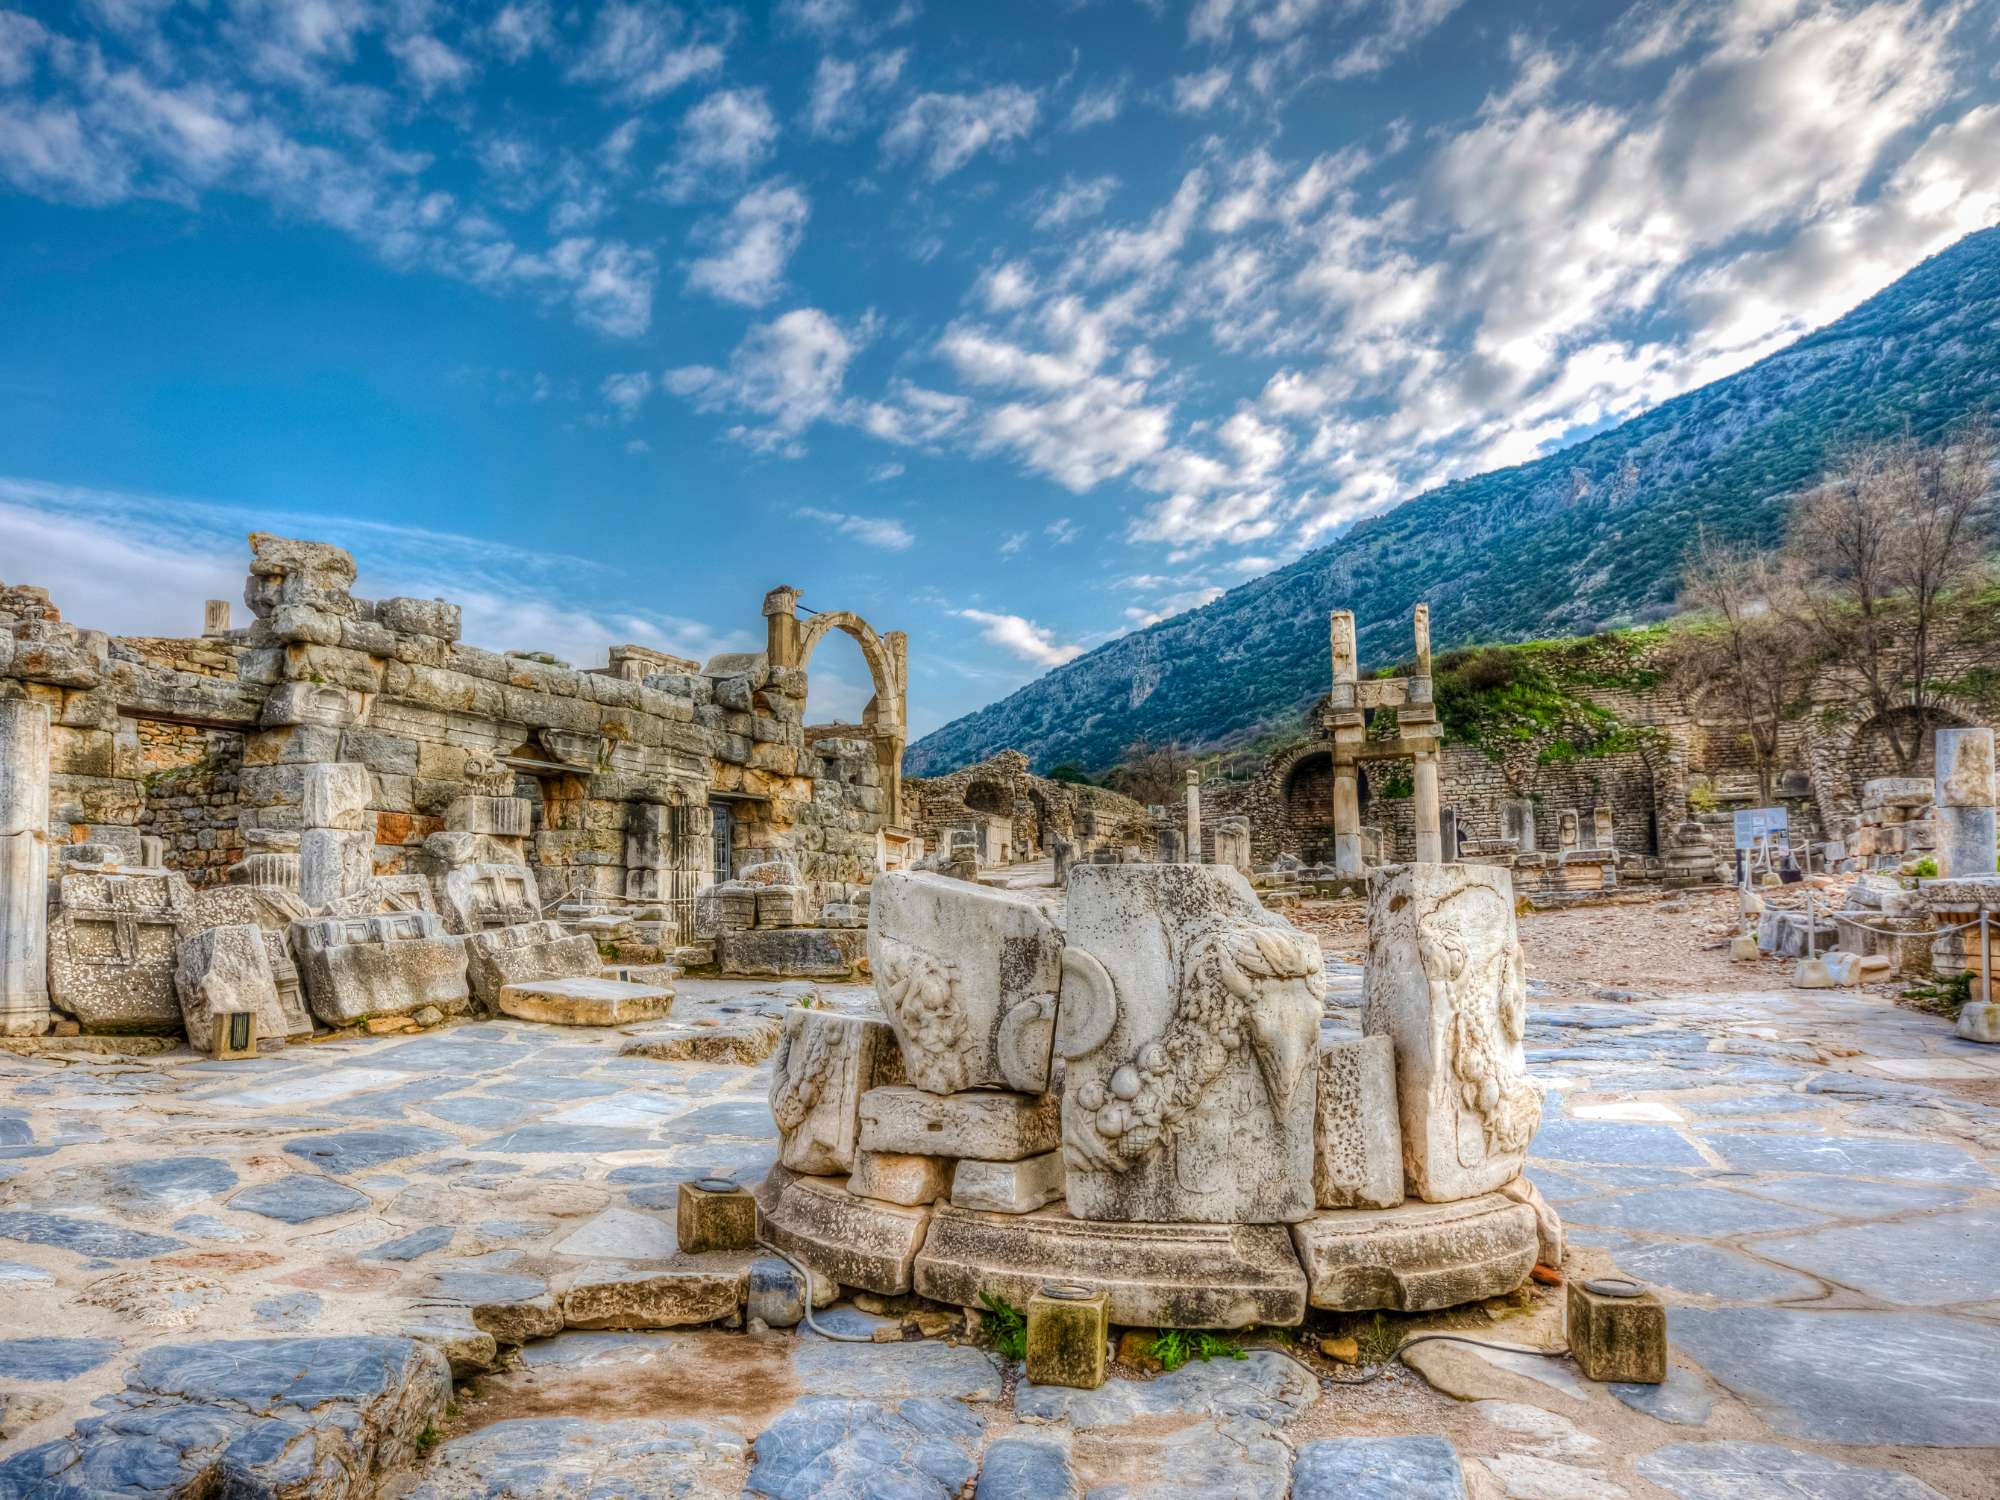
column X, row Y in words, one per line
column 885, row 711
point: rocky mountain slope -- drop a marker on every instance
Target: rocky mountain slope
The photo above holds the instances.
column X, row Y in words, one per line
column 1586, row 538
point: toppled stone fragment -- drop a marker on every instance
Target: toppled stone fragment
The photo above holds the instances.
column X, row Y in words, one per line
column 979, row 1125
column 585, row 1001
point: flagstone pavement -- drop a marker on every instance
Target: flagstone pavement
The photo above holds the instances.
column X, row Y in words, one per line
column 278, row 1277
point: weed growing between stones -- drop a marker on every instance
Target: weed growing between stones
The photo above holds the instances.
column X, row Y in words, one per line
column 1007, row 1326
column 1176, row 1346
column 1941, row 997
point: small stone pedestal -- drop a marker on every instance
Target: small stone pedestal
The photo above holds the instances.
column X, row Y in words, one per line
column 713, row 1213
column 1979, row 1021
column 235, row 1035
column 1069, row 1328
column 1615, row 1337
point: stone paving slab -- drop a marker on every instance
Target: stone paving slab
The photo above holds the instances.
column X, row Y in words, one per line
column 460, row 1176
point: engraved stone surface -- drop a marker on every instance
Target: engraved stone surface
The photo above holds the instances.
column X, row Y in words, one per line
column 1358, row 1145
column 1445, row 983
column 112, row 949
column 824, row 1065
column 1189, row 1018
column 527, row 953
column 968, row 976
column 386, row 965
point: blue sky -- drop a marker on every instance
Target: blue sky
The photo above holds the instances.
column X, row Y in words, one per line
column 1014, row 326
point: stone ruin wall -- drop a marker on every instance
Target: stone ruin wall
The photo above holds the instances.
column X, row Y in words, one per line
column 1089, row 817
column 203, row 742
column 1824, row 757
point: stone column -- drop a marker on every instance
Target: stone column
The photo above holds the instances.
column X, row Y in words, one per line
column 24, row 867
column 1430, row 839
column 781, row 626
column 1346, row 821
column 1194, row 816
column 1423, row 630
column 1965, row 796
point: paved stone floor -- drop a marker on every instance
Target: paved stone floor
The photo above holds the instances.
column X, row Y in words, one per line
column 257, row 1278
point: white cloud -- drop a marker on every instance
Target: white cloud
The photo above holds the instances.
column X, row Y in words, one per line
column 842, row 90
column 627, row 393
column 873, row 531
column 948, row 130
column 1071, row 200
column 1407, row 23
column 1099, row 104
column 1013, row 542
column 642, row 50
column 1062, row 531
column 1022, row 637
column 720, row 142
column 1007, row 286
column 750, row 249
column 520, row 29
column 1198, row 93
column 429, row 63
column 788, row 371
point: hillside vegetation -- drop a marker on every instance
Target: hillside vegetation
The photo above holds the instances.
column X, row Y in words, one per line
column 1585, row 539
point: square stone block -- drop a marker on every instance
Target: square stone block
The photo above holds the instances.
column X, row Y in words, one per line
column 1009, row 1187
column 232, row 1035
column 1068, row 1336
column 897, row 1177
column 1613, row 1338
column 528, row 953
column 978, row 1125
column 714, row 1218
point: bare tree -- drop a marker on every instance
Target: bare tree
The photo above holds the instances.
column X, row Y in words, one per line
column 1752, row 651
column 1888, row 539
column 1152, row 773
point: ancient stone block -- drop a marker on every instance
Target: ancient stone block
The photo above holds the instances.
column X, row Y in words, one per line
column 823, row 1067
column 1155, row 1275
column 528, row 953
column 498, row 817
column 792, row 953
column 1232, row 843
column 1358, row 1139
column 385, row 965
column 898, row 1177
column 714, row 1214
column 1965, row 798
column 24, row 865
column 1418, row 1256
column 670, row 1297
column 1189, row 1017
column 318, row 703
column 431, row 617
column 968, row 977
column 1008, row 1187
column 1068, row 1336
column 1617, row 1331
column 783, row 905
column 1445, row 983
column 476, row 897
column 980, row 1124
column 112, row 949
column 333, row 864
column 226, row 970
column 336, row 796
column 854, row 1241
column 584, row 1001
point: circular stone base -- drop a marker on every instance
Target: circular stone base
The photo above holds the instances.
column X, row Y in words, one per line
column 1415, row 1257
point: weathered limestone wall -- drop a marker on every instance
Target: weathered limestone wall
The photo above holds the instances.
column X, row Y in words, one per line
column 1040, row 810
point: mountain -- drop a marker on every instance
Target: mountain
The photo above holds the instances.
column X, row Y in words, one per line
column 1582, row 540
